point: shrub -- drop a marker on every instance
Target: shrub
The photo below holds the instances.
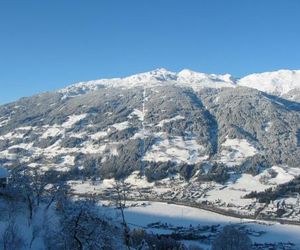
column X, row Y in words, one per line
column 231, row 238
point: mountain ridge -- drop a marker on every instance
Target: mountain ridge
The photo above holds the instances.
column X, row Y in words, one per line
column 280, row 82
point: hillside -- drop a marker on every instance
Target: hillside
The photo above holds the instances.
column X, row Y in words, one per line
column 191, row 136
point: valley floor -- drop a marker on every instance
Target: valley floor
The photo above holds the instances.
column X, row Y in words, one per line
column 227, row 199
column 164, row 218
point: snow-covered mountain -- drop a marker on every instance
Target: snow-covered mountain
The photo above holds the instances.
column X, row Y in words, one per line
column 204, row 138
column 158, row 77
column 282, row 83
column 278, row 82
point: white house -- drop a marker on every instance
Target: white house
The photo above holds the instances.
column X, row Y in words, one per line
column 3, row 176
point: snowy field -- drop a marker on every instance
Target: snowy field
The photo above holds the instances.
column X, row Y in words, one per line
column 176, row 215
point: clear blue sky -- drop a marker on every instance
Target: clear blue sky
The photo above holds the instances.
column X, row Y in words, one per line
column 47, row 44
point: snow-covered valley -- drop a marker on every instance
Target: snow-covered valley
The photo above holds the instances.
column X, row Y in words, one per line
column 170, row 218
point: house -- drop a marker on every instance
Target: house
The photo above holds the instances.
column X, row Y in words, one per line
column 3, row 177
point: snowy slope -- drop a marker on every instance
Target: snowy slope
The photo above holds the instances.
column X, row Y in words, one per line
column 158, row 77
column 186, row 216
column 201, row 80
column 277, row 82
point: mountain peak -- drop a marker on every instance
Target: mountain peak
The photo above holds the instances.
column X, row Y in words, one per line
column 160, row 74
column 187, row 72
column 160, row 71
column 277, row 82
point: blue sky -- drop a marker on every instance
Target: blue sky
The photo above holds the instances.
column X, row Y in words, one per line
column 48, row 44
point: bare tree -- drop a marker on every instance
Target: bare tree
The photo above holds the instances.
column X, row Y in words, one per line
column 56, row 192
column 38, row 184
column 20, row 187
column 120, row 192
column 82, row 227
column 34, row 187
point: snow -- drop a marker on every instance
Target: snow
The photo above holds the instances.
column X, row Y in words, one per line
column 33, row 165
column 79, row 135
column 284, row 175
column 235, row 151
column 89, row 187
column 4, row 121
column 68, row 160
column 12, row 135
column 137, row 113
column 55, row 130
column 121, row 126
column 51, row 131
column 27, row 146
column 17, row 133
column 175, row 118
column 172, row 214
column 141, row 134
column 113, row 150
column 234, row 191
column 158, row 77
column 198, row 80
column 99, row 135
column 73, row 119
column 176, row 149
column 87, row 147
column 137, row 180
column 25, row 128
column 177, row 215
column 277, row 82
